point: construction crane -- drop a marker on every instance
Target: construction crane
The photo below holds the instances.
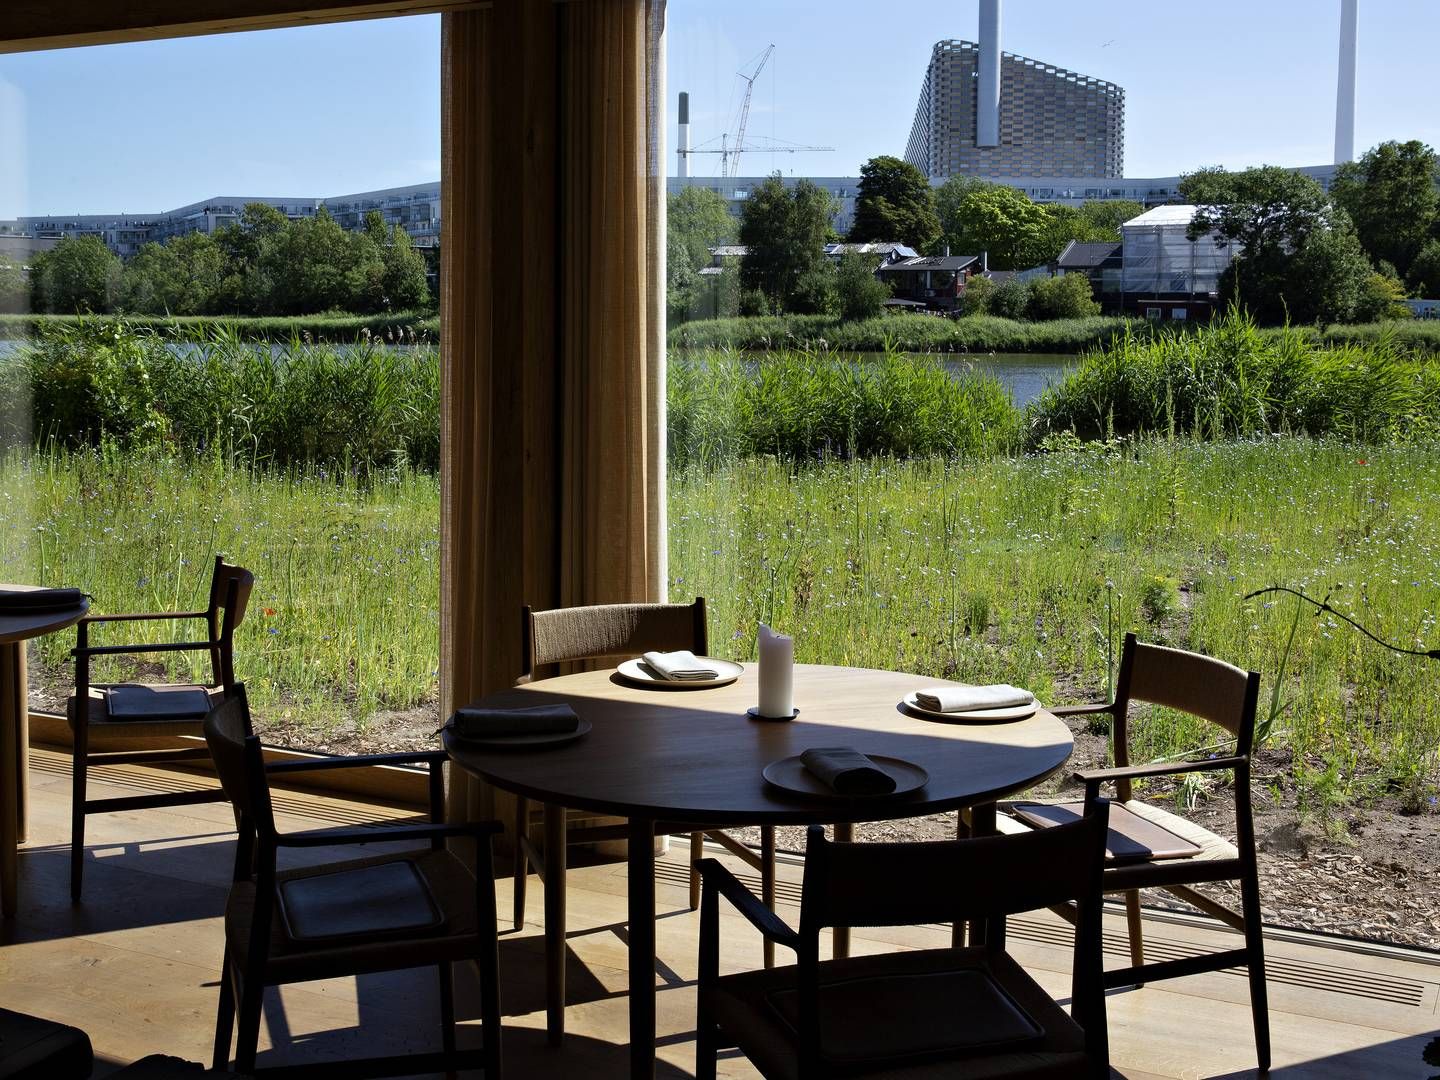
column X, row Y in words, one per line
column 730, row 151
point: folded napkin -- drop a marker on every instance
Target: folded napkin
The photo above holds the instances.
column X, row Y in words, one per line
column 17, row 601
column 965, row 698
column 533, row 720
column 846, row 771
column 681, row 666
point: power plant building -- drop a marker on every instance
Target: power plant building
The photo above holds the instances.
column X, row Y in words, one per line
column 1021, row 117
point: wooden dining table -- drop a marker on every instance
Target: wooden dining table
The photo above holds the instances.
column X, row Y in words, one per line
column 15, row 629
column 661, row 754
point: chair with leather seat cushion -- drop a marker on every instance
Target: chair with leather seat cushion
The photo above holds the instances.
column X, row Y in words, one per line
column 138, row 710
column 923, row 1013
column 620, row 632
column 32, row 1048
column 389, row 912
column 1151, row 847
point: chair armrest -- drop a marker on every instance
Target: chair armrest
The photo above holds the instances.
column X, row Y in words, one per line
column 138, row 616
column 1093, row 778
column 387, row 834
column 356, row 761
column 1080, row 710
column 716, row 877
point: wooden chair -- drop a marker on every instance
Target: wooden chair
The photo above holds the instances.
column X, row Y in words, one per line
column 1149, row 847
column 230, row 588
column 920, row 1014
column 382, row 913
column 611, row 632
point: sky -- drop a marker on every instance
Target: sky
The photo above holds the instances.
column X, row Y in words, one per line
column 330, row 110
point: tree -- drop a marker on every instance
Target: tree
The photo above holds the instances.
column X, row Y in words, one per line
column 1381, row 298
column 391, row 271
column 975, row 300
column 696, row 219
column 1390, row 195
column 1424, row 279
column 895, row 202
column 78, row 274
column 1297, row 256
column 1068, row 296
column 14, row 289
column 784, row 232
column 862, row 295
column 1002, row 221
column 949, row 197
column 1010, row 299
column 248, row 286
column 1103, row 217
column 182, row 277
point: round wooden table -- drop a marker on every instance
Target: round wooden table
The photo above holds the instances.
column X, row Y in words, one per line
column 693, row 755
column 15, row 630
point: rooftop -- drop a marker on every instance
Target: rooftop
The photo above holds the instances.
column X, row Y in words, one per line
column 1088, row 254
column 1178, row 214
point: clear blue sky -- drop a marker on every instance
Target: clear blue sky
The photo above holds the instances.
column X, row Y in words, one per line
column 335, row 109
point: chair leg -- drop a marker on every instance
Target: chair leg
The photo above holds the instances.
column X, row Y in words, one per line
column 224, row 1018
column 767, row 882
column 78, row 769
column 1255, row 966
column 252, row 997
column 1135, row 927
column 697, row 852
column 522, row 863
column 447, row 1007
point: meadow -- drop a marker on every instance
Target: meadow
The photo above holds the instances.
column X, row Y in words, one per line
column 1016, row 568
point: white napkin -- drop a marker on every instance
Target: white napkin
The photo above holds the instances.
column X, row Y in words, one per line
column 966, row 698
column 681, row 666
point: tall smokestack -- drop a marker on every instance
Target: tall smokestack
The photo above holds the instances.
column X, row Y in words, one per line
column 683, row 150
column 1345, row 85
column 987, row 105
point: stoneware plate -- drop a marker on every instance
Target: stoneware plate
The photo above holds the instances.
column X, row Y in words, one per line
column 638, row 673
column 789, row 774
column 974, row 716
column 541, row 741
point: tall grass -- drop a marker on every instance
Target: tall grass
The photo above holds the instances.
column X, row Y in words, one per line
column 907, row 333
column 338, row 328
column 810, row 405
column 1234, row 379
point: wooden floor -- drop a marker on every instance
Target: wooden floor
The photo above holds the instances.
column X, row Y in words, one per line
column 135, row 965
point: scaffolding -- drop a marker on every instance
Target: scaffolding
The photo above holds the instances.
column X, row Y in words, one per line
column 1162, row 261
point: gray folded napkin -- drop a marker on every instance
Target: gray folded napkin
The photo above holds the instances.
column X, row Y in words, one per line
column 17, row 601
column 961, row 698
column 681, row 666
column 532, row 720
column 846, row 771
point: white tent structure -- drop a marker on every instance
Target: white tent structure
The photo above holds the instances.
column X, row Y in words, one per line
column 1164, row 269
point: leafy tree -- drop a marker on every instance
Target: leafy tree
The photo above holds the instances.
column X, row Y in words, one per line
column 1103, row 217
column 248, row 286
column 895, row 202
column 1004, row 222
column 1298, row 257
column 1381, row 298
column 1424, row 279
column 862, row 295
column 14, row 289
column 949, row 197
column 1391, row 196
column 78, row 274
column 696, row 219
column 1068, row 296
column 784, row 232
column 392, row 270
column 182, row 277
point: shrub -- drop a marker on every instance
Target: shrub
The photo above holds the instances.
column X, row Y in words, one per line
column 1066, row 297
column 1159, row 597
column 1381, row 298
column 1010, row 299
column 976, row 299
column 861, row 294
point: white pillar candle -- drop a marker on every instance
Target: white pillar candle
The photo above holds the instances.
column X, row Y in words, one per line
column 777, row 671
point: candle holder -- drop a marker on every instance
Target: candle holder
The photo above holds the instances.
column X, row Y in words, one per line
column 754, row 714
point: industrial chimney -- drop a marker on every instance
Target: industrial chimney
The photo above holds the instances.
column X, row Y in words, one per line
column 987, row 105
column 683, row 150
column 1345, row 85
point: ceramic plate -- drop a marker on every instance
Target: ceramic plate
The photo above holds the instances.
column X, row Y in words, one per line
column 974, row 716
column 638, row 673
column 538, row 741
column 789, row 774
